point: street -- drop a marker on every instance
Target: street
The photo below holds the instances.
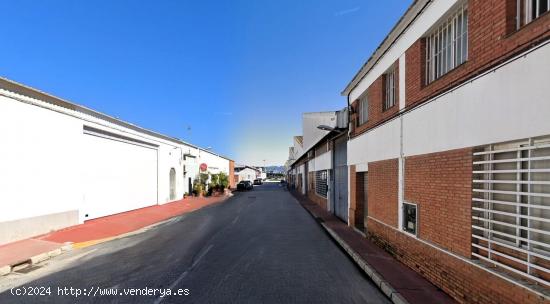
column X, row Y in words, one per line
column 259, row 246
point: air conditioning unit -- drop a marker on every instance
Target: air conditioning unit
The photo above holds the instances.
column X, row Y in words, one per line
column 342, row 118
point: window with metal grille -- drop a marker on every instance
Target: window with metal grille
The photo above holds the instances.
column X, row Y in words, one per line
column 363, row 109
column 529, row 10
column 447, row 45
column 410, row 218
column 389, row 86
column 511, row 207
column 321, row 186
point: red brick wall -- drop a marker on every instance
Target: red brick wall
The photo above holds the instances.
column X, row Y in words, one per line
column 492, row 38
column 382, row 191
column 376, row 96
column 441, row 185
column 319, row 200
column 466, row 283
column 232, row 177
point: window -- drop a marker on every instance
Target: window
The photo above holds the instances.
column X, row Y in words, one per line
column 529, row 10
column 447, row 46
column 321, row 186
column 363, row 109
column 389, row 94
column 511, row 207
column 410, row 218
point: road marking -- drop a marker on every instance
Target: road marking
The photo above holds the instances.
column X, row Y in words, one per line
column 184, row 274
column 235, row 220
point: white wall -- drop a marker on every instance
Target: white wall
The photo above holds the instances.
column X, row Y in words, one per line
column 377, row 144
column 512, row 102
column 215, row 163
column 247, row 174
column 323, row 161
column 311, row 165
column 37, row 161
column 49, row 165
column 310, row 122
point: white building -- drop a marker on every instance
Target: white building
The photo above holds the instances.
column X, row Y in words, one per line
column 246, row 173
column 62, row 164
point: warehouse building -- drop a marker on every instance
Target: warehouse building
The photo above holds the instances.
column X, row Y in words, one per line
column 62, row 164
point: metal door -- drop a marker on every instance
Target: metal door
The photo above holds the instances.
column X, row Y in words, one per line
column 341, row 179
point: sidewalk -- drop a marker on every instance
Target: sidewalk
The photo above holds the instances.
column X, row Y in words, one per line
column 22, row 254
column 400, row 283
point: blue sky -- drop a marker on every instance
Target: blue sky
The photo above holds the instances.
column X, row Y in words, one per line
column 231, row 75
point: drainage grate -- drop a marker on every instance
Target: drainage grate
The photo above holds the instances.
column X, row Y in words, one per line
column 28, row 269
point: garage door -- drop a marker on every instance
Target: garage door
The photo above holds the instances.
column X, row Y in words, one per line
column 120, row 173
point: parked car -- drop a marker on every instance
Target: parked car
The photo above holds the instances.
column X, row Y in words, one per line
column 258, row 181
column 244, row 185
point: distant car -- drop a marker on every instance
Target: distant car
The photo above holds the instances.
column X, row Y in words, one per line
column 258, row 181
column 244, row 185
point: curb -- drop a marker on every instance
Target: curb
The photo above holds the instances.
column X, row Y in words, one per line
column 377, row 279
column 7, row 269
column 138, row 231
column 85, row 244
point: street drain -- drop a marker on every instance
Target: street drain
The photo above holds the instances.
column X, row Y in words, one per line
column 28, row 269
column 21, row 266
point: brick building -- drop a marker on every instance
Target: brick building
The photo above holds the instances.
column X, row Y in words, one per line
column 449, row 147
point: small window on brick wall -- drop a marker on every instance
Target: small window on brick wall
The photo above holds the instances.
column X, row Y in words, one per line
column 410, row 218
column 321, row 186
column 447, row 45
column 363, row 109
column 529, row 10
column 389, row 89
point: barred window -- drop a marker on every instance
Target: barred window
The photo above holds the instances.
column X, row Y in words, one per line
column 363, row 109
column 389, row 94
column 511, row 207
column 447, row 46
column 529, row 10
column 321, row 186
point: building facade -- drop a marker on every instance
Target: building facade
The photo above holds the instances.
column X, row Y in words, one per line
column 246, row 173
column 320, row 171
column 62, row 164
column 449, row 147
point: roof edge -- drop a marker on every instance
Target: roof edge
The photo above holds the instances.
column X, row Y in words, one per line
column 401, row 26
column 21, row 89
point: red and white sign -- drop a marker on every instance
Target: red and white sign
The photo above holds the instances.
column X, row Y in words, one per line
column 203, row 167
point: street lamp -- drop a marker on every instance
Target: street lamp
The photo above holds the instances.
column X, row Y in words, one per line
column 329, row 129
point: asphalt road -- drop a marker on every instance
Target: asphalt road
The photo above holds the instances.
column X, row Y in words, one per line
column 259, row 246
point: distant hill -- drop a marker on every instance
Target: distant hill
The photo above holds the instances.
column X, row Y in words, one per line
column 275, row 169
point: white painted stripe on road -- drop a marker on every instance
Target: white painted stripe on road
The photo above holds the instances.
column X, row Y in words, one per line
column 184, row 274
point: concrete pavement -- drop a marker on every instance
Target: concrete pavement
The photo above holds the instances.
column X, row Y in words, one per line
column 257, row 247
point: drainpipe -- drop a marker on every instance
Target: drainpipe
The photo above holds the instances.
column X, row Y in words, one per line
column 349, row 114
